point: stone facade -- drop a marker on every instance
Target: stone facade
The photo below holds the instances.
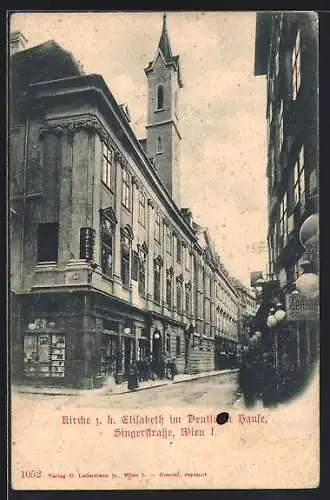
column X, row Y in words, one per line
column 105, row 267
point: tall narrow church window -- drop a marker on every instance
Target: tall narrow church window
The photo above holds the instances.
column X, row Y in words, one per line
column 159, row 145
column 160, row 97
column 176, row 104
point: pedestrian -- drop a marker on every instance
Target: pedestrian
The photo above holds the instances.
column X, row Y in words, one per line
column 139, row 365
column 248, row 377
column 146, row 370
column 132, row 379
column 173, row 368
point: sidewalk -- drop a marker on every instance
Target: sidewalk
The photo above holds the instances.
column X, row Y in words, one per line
column 116, row 389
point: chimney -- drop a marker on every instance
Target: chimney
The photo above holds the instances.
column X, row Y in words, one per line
column 17, row 42
column 187, row 215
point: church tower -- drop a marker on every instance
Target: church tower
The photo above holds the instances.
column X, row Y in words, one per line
column 163, row 136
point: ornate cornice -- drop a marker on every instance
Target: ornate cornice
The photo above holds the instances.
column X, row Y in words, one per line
column 88, row 124
column 109, row 214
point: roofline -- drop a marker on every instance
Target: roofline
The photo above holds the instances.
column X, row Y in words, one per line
column 23, row 52
column 263, row 22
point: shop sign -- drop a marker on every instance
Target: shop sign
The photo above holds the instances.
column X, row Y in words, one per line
column 301, row 308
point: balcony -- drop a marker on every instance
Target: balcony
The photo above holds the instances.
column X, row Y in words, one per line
column 70, row 274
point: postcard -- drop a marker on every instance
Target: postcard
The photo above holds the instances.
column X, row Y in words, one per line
column 163, row 248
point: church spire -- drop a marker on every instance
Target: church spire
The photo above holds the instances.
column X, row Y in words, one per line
column 164, row 42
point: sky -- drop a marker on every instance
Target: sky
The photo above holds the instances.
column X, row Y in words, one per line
column 222, row 108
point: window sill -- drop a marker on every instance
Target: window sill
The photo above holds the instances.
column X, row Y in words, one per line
column 158, row 110
column 46, row 263
column 158, row 153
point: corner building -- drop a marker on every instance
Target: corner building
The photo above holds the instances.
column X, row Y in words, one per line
column 106, row 268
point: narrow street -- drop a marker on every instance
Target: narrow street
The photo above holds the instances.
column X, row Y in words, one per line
column 218, row 391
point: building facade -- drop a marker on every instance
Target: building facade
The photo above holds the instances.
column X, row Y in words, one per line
column 106, row 267
column 286, row 52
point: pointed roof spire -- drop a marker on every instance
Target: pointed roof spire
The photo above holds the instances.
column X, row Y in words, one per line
column 164, row 42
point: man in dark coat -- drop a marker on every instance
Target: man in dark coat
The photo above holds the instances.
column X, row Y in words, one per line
column 132, row 380
column 172, row 368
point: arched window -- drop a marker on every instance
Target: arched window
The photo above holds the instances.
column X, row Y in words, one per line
column 159, row 145
column 157, row 278
column 169, row 278
column 126, row 244
column 160, row 97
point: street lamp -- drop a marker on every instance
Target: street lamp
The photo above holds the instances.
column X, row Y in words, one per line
column 308, row 283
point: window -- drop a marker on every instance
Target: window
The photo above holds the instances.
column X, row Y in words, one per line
column 125, row 259
column 188, row 298
column 142, row 272
column 178, row 251
column 299, row 180
column 176, row 103
column 169, row 240
column 270, row 113
column 107, row 233
column 157, row 279
column 169, row 280
column 280, row 130
column 277, row 64
column 179, row 297
column 160, row 97
column 107, row 165
column 47, row 242
column 142, row 209
column 284, row 219
column 184, row 255
column 157, row 227
column 272, row 167
column 295, row 67
column 126, row 189
column 159, row 145
column 168, row 343
column 178, row 345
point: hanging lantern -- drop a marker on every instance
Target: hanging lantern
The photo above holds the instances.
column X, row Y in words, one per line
column 309, row 229
column 308, row 285
column 258, row 335
column 271, row 321
column 279, row 315
column 156, row 336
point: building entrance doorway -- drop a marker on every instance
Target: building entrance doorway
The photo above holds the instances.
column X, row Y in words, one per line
column 157, row 346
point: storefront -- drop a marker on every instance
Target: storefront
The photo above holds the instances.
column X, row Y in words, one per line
column 77, row 339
